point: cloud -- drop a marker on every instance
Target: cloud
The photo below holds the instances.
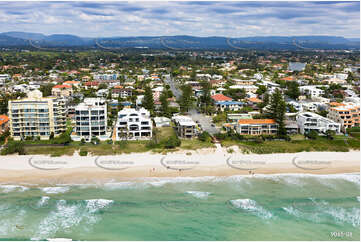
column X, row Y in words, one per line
column 199, row 18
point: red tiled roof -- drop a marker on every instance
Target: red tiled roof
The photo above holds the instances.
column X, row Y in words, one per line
column 254, row 100
column 3, row 119
column 256, row 121
column 91, row 84
column 221, row 97
column 62, row 86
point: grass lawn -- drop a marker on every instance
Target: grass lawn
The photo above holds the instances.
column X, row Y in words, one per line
column 340, row 143
column 52, row 151
column 193, row 144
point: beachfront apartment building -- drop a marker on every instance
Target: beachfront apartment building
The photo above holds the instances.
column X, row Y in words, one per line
column 186, row 127
column 347, row 114
column 91, row 119
column 308, row 121
column 133, row 124
column 37, row 116
column 256, row 126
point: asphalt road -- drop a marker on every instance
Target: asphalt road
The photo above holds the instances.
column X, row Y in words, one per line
column 203, row 120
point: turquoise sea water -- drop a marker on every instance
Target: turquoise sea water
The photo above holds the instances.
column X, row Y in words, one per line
column 269, row 207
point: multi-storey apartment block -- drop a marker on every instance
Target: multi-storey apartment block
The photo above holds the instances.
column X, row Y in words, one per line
column 186, row 127
column 36, row 116
column 347, row 114
column 91, row 119
column 308, row 121
column 133, row 124
column 256, row 126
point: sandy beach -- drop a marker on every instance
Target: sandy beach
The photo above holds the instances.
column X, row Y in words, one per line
column 76, row 169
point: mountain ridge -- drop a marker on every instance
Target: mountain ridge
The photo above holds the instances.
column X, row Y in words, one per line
column 16, row 38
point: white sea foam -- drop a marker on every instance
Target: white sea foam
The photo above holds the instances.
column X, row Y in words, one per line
column 43, row 201
column 342, row 215
column 55, row 190
column 251, row 206
column 12, row 188
column 68, row 216
column 94, row 205
column 199, row 194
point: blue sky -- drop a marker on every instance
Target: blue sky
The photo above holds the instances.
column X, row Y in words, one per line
column 151, row 18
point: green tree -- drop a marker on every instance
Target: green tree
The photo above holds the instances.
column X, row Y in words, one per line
column 206, row 99
column 186, row 98
column 164, row 103
column 46, row 89
column 148, row 101
column 261, row 89
column 293, row 90
column 277, row 111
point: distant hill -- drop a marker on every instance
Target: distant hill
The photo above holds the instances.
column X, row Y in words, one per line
column 180, row 42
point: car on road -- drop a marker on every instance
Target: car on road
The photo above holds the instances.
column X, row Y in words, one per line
column 213, row 125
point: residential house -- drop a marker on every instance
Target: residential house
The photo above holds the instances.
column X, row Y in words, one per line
column 161, row 122
column 256, row 126
column 93, row 84
column 4, row 123
column 308, row 121
column 133, row 124
column 119, row 91
column 247, row 88
column 311, row 91
column 62, row 91
column 223, row 103
column 186, row 127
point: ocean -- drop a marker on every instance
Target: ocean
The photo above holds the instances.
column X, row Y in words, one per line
column 259, row 207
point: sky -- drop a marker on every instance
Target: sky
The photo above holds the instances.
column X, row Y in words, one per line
column 203, row 18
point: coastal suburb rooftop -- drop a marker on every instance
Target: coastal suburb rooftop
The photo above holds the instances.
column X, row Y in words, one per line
column 256, row 121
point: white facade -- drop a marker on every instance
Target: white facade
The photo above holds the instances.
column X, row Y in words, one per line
column 133, row 124
column 311, row 90
column 37, row 116
column 308, row 121
column 91, row 119
column 4, row 78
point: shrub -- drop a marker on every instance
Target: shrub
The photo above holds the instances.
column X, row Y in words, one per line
column 82, row 141
column 83, row 153
column 172, row 142
column 312, row 135
column 95, row 140
column 122, row 144
column 13, row 147
column 204, row 136
column 51, row 136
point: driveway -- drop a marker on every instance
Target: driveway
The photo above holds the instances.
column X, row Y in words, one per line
column 204, row 121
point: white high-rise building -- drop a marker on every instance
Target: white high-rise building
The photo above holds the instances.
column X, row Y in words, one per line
column 133, row 124
column 37, row 116
column 91, row 118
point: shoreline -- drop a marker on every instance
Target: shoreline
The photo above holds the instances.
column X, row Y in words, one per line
column 46, row 170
